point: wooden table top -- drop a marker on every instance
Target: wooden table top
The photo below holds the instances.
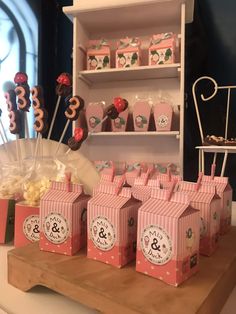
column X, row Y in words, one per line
column 111, row 290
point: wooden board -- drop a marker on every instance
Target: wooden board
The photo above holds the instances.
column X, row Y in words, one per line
column 116, row 291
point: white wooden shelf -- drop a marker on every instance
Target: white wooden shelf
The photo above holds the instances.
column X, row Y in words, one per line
column 217, row 149
column 133, row 133
column 127, row 74
column 104, row 16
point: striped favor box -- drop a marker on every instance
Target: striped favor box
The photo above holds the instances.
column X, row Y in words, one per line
column 224, row 190
column 112, row 224
column 63, row 218
column 26, row 224
column 205, row 199
column 168, row 237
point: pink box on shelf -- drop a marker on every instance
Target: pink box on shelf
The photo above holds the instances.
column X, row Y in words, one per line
column 94, row 114
column 112, row 224
column 27, row 225
column 98, row 55
column 224, row 190
column 63, row 218
column 141, row 116
column 162, row 49
column 168, row 237
column 7, row 216
column 207, row 201
column 119, row 124
column 163, row 113
column 128, row 53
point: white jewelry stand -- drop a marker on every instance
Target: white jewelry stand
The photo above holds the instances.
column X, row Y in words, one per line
column 213, row 149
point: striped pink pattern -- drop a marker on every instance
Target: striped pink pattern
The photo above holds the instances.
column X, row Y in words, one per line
column 109, row 200
column 167, row 215
column 125, row 192
column 141, row 193
column 155, row 183
column 140, row 181
column 106, row 178
column 162, row 207
column 186, row 186
column 107, row 188
column 70, row 206
column 61, row 186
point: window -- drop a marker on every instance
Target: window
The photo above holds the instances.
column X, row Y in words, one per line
column 19, row 50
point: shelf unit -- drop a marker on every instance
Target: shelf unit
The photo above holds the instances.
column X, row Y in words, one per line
column 131, row 18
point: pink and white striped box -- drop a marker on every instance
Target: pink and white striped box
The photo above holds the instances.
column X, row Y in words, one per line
column 207, row 201
column 26, row 224
column 224, row 190
column 141, row 190
column 7, row 216
column 63, row 218
column 168, row 237
column 112, row 224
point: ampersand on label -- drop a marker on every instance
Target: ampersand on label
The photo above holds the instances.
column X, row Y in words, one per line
column 154, row 245
column 36, row 229
column 102, row 234
column 54, row 228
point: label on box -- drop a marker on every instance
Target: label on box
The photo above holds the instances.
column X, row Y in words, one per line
column 156, row 245
column 160, row 56
column 31, row 227
column 140, row 121
column 162, row 121
column 98, row 62
column 93, row 121
column 56, row 228
column 127, row 59
column 102, row 233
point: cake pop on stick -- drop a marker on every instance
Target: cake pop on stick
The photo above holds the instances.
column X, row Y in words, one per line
column 119, row 104
column 72, row 113
column 15, row 122
column 23, row 92
column 4, row 137
column 3, row 129
column 63, row 88
column 41, row 116
column 112, row 112
column 75, row 141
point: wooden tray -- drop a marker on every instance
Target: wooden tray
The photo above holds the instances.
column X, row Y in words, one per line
column 112, row 290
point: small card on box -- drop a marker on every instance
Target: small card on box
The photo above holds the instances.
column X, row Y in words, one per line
column 207, row 201
column 63, row 218
column 162, row 49
column 7, row 216
column 26, row 224
column 141, row 116
column 163, row 114
column 128, row 53
column 112, row 224
column 168, row 237
column 94, row 114
column 98, row 55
